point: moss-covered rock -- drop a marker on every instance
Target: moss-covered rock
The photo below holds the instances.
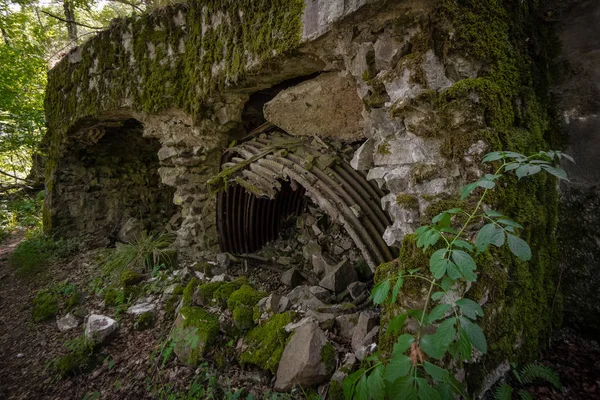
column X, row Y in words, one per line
column 79, row 358
column 329, row 356
column 243, row 318
column 265, row 344
column 195, row 330
column 145, row 321
column 188, row 292
column 245, row 296
column 45, row 305
column 130, row 277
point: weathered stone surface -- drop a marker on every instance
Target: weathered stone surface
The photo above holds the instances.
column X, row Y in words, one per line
column 67, row 322
column 291, row 277
column 367, row 320
column 98, row 328
column 356, row 289
column 346, row 324
column 305, row 109
column 368, row 345
column 308, row 359
column 270, row 304
column 302, row 297
column 141, row 308
column 339, row 278
column 131, row 230
column 363, row 157
column 325, row 320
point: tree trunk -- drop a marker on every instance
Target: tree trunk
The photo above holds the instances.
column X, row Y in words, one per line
column 70, row 17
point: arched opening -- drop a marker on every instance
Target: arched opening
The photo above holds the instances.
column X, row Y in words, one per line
column 109, row 175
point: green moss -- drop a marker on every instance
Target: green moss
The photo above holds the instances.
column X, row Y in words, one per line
column 188, row 292
column 73, row 301
column 206, row 291
column 130, row 277
column 329, row 356
column 408, row 201
column 80, row 358
column 145, row 321
column 196, row 333
column 384, row 149
column 336, row 391
column 245, row 296
column 267, row 342
column 243, row 317
column 224, row 291
column 45, row 305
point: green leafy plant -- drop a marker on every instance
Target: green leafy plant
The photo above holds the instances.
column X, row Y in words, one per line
column 33, row 254
column 451, row 326
column 148, row 251
column 79, row 358
column 528, row 374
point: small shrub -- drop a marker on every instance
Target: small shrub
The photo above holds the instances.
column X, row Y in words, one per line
column 45, row 305
column 80, row 358
column 141, row 255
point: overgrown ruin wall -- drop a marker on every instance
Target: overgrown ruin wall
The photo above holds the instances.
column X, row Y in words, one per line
column 441, row 83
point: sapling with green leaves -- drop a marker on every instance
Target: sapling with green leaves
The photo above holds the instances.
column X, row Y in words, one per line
column 448, row 333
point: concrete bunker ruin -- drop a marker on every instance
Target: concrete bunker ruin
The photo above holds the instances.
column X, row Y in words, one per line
column 407, row 81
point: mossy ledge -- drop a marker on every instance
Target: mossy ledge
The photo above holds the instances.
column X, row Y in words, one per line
column 512, row 96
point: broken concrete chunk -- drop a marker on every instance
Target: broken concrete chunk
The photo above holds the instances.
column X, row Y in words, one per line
column 356, row 289
column 325, row 320
column 99, row 327
column 345, row 324
column 367, row 320
column 291, row 277
column 302, row 297
column 369, row 344
column 67, row 322
column 339, row 278
column 313, row 108
column 363, row 157
column 308, row 359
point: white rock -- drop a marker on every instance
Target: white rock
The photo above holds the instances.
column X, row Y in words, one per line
column 99, row 327
column 67, row 322
column 141, row 308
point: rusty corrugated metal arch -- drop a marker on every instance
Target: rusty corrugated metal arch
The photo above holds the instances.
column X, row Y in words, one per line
column 265, row 179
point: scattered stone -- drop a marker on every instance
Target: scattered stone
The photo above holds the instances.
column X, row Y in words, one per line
column 218, row 278
column 346, row 324
column 363, row 157
column 292, row 326
column 141, row 308
column 223, row 260
column 99, row 327
column 270, row 304
column 284, row 304
column 302, row 297
column 356, row 289
column 340, row 277
column 367, row 320
column 308, row 359
column 369, row 344
column 131, row 231
column 320, row 293
column 171, row 288
column 291, row 277
column 325, row 320
column 67, row 322
column 310, row 249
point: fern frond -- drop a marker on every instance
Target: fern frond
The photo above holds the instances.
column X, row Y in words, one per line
column 504, row 392
column 525, row 395
column 534, row 372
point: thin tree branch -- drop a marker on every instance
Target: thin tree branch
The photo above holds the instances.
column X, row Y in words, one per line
column 13, row 176
column 68, row 45
column 129, row 4
column 72, row 22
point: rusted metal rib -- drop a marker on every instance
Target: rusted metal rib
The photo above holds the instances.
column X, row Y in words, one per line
column 268, row 167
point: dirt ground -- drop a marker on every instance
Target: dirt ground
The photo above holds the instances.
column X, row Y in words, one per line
column 127, row 366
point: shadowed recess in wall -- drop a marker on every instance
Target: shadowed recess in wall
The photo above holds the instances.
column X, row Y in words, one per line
column 264, row 179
